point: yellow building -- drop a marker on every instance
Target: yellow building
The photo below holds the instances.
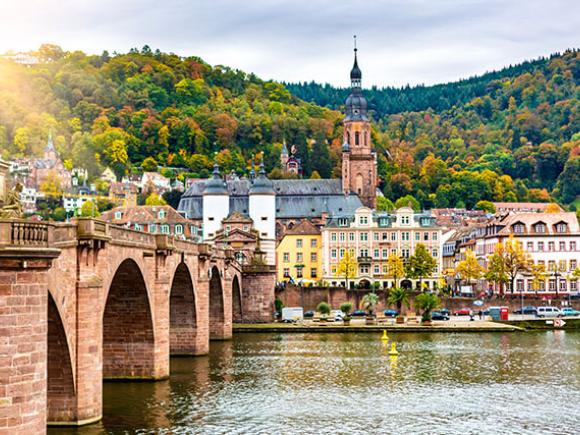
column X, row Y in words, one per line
column 298, row 255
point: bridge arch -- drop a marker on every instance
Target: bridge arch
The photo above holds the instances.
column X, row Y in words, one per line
column 128, row 331
column 237, row 307
column 217, row 305
column 183, row 317
column 60, row 382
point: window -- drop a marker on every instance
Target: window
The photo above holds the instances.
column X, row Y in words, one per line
column 333, row 253
column 138, row 227
column 573, row 285
column 264, row 218
column 530, row 246
column 351, row 237
column 551, row 246
column 356, row 138
column 341, row 237
column 333, row 237
column 376, row 253
column 561, row 227
column 313, row 272
column 405, row 253
column 385, row 236
column 417, row 236
column 178, row 229
column 385, row 253
column 342, row 222
column 405, row 237
column 435, row 252
column 376, row 237
column 551, row 265
column 540, row 246
column 153, row 228
column 364, row 252
column 404, row 220
column 364, row 237
column 228, row 229
column 286, row 256
column 286, row 272
column 572, row 246
column 364, row 220
column 162, row 214
column 299, row 257
column 562, row 246
column 299, row 243
column 552, row 284
column 434, row 235
column 164, row 229
column 364, row 270
column 425, row 237
column 377, row 269
column 333, row 270
column 393, row 236
column 118, row 215
column 573, row 264
column 313, row 243
column 519, row 228
column 299, row 272
column 520, row 285
column 246, row 228
column 313, row 257
column 540, row 228
column 341, row 252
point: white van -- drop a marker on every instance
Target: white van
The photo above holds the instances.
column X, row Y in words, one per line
column 295, row 314
column 548, row 312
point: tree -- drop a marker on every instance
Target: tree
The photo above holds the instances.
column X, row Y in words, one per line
column 149, row 164
column 52, row 184
column 346, row 307
column 408, row 201
column 539, row 274
column 155, row 199
column 569, row 180
column 347, row 267
column 486, row 206
column 323, row 308
column 384, row 204
column 469, row 268
column 172, row 198
column 421, row 264
column 90, row 209
column 508, row 260
column 496, row 269
column 426, row 302
column 369, row 302
column 399, row 297
column 552, row 208
column 395, row 268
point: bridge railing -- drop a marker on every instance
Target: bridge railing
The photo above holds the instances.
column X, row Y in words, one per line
column 25, row 233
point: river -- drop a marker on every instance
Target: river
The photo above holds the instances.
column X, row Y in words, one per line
column 469, row 383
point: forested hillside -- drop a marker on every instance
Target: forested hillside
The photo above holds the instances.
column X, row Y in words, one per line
column 510, row 135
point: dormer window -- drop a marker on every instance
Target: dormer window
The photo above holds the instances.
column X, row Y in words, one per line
column 519, row 228
column 561, row 227
column 364, row 220
column 118, row 214
column 405, row 220
column 540, row 228
column 161, row 214
column 342, row 222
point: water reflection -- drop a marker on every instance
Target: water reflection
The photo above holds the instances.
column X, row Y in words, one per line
column 348, row 383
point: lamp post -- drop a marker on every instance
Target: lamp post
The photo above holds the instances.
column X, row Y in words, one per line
column 557, row 275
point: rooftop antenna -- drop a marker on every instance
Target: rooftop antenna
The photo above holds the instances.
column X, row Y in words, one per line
column 354, row 37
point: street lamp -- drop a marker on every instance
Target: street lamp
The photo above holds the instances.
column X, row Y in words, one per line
column 557, row 275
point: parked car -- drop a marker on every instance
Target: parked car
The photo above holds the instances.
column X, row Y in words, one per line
column 445, row 311
column 390, row 313
column 569, row 311
column 337, row 315
column 438, row 315
column 548, row 312
column 526, row 310
column 309, row 314
column 463, row 312
column 359, row 313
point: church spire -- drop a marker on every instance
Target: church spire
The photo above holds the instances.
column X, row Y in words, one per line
column 355, row 72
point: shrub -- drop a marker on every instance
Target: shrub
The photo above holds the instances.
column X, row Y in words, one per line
column 323, row 308
column 426, row 302
column 345, row 307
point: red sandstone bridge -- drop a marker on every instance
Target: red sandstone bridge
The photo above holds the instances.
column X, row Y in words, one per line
column 88, row 301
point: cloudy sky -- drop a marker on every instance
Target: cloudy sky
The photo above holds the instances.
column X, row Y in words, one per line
column 400, row 41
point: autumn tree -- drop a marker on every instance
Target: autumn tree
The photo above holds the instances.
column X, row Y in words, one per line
column 507, row 262
column 395, row 268
column 539, row 274
column 421, row 264
column 347, row 267
column 52, row 184
column 155, row 199
column 469, row 269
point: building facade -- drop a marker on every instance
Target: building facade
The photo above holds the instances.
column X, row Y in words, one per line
column 372, row 238
column 299, row 254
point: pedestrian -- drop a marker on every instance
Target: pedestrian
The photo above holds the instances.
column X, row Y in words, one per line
column 480, row 314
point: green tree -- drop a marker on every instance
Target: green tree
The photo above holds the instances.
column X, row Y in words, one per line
column 486, row 206
column 427, row 302
column 369, row 302
column 421, row 264
column 346, row 307
column 90, row 209
column 384, row 204
column 408, row 201
column 323, row 308
column 569, row 180
column 150, row 164
column 155, row 199
column 398, row 296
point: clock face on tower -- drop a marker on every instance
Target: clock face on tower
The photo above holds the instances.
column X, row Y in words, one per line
column 355, row 111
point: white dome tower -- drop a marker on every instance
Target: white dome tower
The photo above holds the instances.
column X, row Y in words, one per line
column 216, row 204
column 262, row 204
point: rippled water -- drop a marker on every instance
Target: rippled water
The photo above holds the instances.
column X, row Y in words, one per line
column 346, row 383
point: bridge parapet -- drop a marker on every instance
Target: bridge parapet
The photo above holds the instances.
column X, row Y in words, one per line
column 27, row 240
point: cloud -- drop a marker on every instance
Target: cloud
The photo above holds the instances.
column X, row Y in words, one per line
column 400, row 41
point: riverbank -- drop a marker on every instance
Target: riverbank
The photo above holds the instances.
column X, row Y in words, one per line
column 478, row 326
column 544, row 324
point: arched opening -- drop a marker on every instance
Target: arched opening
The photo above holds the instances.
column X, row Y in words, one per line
column 237, row 312
column 128, row 341
column 60, row 389
column 216, row 306
column 359, row 183
column 407, row 284
column 364, row 284
column 182, row 314
column 356, row 138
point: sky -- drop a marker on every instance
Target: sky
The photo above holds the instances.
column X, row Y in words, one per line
column 400, row 41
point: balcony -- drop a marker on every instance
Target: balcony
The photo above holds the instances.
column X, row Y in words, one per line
column 364, row 259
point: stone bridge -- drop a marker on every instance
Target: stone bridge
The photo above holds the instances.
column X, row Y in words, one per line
column 88, row 301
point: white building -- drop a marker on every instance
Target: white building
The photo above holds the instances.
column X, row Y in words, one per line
column 551, row 239
column 372, row 237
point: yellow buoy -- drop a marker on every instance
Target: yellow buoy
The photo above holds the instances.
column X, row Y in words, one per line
column 393, row 350
column 385, row 337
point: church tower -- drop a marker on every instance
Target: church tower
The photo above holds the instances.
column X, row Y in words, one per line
column 359, row 161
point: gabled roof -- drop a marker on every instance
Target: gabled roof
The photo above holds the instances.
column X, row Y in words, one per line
column 303, row 228
column 529, row 220
column 146, row 214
